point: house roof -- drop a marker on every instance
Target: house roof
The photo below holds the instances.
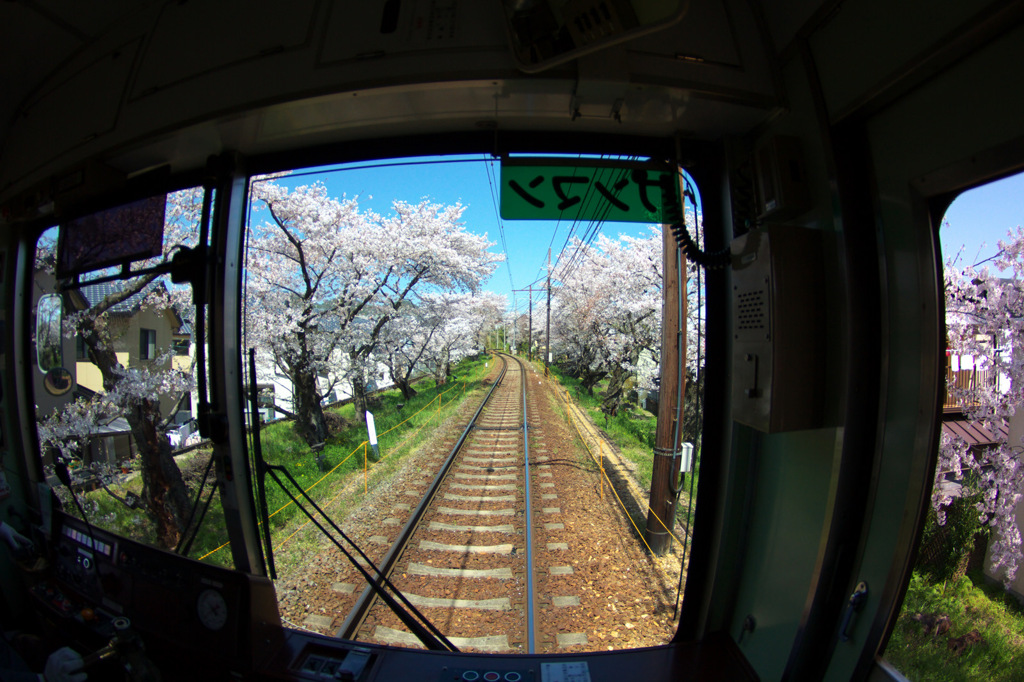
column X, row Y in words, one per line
column 94, row 293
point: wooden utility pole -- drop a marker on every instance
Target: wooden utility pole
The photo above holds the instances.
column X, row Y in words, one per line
column 529, row 341
column 665, row 474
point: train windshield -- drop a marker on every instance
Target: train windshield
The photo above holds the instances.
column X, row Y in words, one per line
column 115, row 379
column 447, row 383
column 464, row 400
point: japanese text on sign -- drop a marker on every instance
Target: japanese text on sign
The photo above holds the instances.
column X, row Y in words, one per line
column 623, row 191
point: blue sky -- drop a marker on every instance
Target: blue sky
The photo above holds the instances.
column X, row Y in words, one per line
column 979, row 218
column 469, row 180
column 976, row 220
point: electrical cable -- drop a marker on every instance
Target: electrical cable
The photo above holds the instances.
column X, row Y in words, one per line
column 573, row 228
column 589, row 235
column 709, row 261
column 593, row 229
column 488, row 167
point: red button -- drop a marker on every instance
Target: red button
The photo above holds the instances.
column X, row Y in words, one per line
column 491, row 676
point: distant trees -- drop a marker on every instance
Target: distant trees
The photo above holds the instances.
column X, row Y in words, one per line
column 985, row 320
column 326, row 281
column 441, row 330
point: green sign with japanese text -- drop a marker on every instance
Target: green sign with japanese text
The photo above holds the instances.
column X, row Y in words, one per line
column 585, row 189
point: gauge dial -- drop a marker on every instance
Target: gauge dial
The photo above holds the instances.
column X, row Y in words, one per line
column 212, row 609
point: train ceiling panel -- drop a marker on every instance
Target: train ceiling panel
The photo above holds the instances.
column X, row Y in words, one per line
column 38, row 36
column 785, row 18
column 899, row 45
column 178, row 88
column 376, row 30
column 188, row 38
column 707, row 36
column 718, row 50
column 94, row 78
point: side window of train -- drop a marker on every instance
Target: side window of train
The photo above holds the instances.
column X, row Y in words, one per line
column 115, row 377
column 971, row 541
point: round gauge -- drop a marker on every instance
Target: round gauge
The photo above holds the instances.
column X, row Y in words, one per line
column 212, row 609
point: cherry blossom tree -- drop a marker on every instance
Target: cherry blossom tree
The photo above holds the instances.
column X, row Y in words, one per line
column 985, row 320
column 462, row 322
column 136, row 392
column 423, row 248
column 309, row 277
column 609, row 310
column 608, row 314
column 326, row 279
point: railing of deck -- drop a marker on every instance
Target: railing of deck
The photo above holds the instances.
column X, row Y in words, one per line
column 969, row 380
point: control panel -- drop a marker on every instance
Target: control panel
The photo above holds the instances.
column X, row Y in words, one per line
column 180, row 607
column 484, row 675
column 340, row 664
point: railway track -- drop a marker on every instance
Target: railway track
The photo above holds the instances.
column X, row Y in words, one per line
column 465, row 557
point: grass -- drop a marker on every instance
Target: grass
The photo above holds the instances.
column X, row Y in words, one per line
column 632, row 430
column 971, row 604
column 401, row 426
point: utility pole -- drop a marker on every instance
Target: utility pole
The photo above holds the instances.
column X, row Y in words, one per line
column 668, row 436
column 529, row 336
column 515, row 320
column 547, row 326
column 529, row 341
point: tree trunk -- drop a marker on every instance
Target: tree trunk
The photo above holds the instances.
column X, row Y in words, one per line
column 310, row 423
column 613, row 396
column 441, row 370
column 589, row 378
column 408, row 392
column 358, row 389
column 163, row 493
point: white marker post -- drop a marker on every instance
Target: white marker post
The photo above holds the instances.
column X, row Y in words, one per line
column 371, row 430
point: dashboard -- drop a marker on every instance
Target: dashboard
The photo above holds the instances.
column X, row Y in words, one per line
column 191, row 619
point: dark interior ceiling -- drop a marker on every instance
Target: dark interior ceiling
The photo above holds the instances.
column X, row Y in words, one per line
column 38, row 36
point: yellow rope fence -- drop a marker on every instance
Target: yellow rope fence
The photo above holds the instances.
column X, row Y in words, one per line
column 365, row 443
column 363, row 447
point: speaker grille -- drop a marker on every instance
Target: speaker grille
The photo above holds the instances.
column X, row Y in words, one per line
column 752, row 310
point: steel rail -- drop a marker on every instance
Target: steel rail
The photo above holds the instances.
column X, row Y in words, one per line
column 361, row 608
column 530, row 595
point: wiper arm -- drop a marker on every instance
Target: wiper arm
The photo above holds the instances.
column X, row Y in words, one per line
column 425, row 631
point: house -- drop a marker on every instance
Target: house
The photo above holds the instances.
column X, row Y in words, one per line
column 142, row 336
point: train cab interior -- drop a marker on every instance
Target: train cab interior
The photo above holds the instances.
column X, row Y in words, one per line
column 830, row 134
